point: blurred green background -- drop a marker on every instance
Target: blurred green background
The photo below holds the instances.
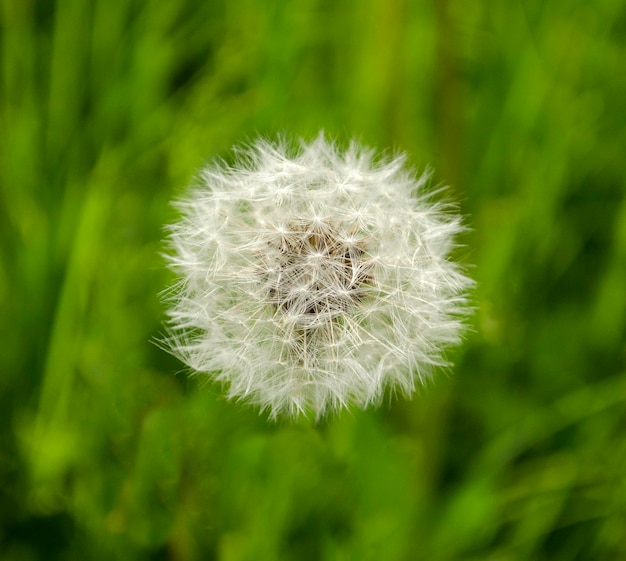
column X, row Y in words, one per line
column 107, row 449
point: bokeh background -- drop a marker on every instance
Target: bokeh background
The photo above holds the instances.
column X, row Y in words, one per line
column 109, row 451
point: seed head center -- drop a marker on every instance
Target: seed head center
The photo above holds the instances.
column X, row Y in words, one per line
column 316, row 273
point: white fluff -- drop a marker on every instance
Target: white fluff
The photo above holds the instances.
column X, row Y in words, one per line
column 314, row 279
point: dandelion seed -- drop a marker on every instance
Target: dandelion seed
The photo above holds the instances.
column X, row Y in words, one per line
column 315, row 279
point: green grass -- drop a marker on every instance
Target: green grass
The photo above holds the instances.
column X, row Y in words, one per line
column 108, row 450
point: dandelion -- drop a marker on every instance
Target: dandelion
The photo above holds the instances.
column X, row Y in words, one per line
column 314, row 279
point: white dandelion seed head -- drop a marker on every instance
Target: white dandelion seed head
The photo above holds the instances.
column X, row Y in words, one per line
column 314, row 279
